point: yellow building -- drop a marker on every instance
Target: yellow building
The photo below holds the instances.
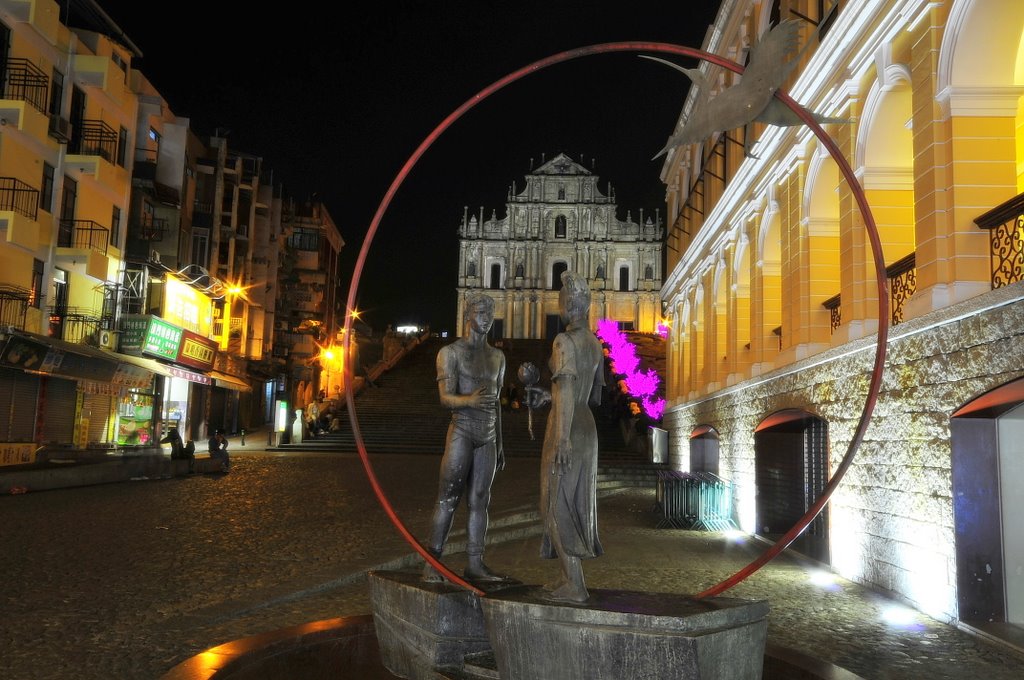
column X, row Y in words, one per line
column 773, row 302
column 66, row 115
column 136, row 279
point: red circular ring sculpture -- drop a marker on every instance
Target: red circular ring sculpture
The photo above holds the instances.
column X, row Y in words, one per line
column 862, row 205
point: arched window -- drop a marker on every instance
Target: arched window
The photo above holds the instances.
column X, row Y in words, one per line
column 471, row 269
column 560, row 226
column 556, row 275
column 561, row 193
column 495, row 282
column 649, row 272
column 624, row 279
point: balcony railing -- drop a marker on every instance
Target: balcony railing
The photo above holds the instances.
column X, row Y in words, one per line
column 902, row 276
column 149, row 228
column 95, row 138
column 1005, row 224
column 834, row 305
column 25, row 82
column 902, row 284
column 83, row 234
column 20, row 197
column 14, row 304
column 74, row 324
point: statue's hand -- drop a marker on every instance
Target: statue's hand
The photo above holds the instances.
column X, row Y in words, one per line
column 563, row 456
column 537, row 397
column 481, row 399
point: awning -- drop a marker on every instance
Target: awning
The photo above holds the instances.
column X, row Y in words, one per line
column 42, row 354
column 150, row 365
column 229, row 382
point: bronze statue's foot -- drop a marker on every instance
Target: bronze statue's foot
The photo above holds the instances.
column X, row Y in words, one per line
column 483, row 574
column 431, row 575
column 565, row 593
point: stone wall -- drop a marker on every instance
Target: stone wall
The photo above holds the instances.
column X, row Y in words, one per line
column 891, row 519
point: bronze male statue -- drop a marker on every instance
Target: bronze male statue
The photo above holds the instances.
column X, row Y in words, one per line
column 470, row 375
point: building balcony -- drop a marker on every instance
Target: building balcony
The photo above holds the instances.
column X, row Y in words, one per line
column 77, row 324
column 18, row 197
column 27, row 83
column 148, row 228
column 1005, row 224
column 96, row 71
column 14, row 304
column 94, row 138
column 902, row 276
column 83, row 235
column 82, row 246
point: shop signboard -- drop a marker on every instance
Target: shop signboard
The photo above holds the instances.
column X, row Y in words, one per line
column 162, row 339
column 196, row 351
column 24, row 353
column 133, row 333
column 17, row 453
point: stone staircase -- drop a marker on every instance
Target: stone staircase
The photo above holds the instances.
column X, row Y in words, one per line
column 401, row 414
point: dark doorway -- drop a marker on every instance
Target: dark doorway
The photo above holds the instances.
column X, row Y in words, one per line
column 704, row 449
column 987, row 442
column 495, row 283
column 791, row 471
column 556, row 275
column 624, row 279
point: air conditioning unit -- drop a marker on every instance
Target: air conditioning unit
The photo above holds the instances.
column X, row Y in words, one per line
column 108, row 339
column 60, row 129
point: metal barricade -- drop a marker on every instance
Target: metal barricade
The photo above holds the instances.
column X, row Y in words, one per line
column 699, row 501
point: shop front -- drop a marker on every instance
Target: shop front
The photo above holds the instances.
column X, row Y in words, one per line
column 181, row 397
column 64, row 395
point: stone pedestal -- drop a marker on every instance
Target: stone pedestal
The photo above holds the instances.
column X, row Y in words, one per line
column 427, row 630
column 621, row 634
column 422, row 627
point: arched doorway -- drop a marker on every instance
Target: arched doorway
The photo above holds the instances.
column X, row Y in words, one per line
column 704, row 449
column 791, row 471
column 987, row 442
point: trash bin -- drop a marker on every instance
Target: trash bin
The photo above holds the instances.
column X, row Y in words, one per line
column 657, row 444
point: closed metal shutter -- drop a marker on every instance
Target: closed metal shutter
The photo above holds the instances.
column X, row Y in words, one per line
column 57, row 401
column 18, row 393
column 98, row 408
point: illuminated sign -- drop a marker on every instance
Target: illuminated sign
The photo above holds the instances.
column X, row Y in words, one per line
column 187, row 307
column 196, row 351
column 162, row 339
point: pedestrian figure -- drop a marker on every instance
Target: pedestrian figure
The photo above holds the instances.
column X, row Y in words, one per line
column 219, row 450
column 313, row 417
column 470, row 374
column 179, row 450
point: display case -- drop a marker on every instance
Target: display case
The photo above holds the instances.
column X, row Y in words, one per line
column 135, row 419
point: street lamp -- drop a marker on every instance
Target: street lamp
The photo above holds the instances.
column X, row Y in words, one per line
column 328, row 356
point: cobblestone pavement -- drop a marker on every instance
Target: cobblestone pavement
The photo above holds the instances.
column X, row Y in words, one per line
column 127, row 580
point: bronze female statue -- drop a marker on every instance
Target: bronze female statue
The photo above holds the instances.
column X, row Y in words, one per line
column 569, row 456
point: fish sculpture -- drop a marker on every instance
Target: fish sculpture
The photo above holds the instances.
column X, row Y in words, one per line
column 752, row 99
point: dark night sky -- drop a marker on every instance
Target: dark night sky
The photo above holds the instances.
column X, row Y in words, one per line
column 335, row 103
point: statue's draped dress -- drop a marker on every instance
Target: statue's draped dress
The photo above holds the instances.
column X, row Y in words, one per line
column 569, row 501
